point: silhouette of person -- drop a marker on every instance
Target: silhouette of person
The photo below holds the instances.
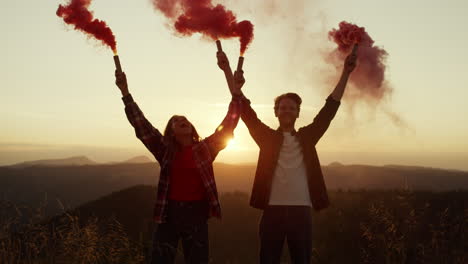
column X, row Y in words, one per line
column 288, row 179
column 186, row 195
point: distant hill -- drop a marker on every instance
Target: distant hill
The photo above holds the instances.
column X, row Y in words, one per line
column 338, row 176
column 394, row 177
column 133, row 208
column 75, row 161
column 78, row 184
column 72, row 161
column 335, row 164
column 122, row 205
column 72, row 185
column 138, row 159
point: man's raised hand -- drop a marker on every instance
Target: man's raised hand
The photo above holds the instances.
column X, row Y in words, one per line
column 121, row 82
column 223, row 61
column 239, row 81
column 350, row 62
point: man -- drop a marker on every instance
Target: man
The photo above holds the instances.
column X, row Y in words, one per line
column 289, row 180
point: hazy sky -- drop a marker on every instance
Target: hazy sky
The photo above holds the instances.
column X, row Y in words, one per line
column 59, row 98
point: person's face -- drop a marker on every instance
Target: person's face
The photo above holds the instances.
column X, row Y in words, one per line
column 181, row 126
column 287, row 112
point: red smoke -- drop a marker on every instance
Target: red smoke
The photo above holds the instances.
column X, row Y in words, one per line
column 369, row 75
column 76, row 13
column 201, row 16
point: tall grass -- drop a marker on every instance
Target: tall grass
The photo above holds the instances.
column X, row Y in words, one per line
column 25, row 238
column 360, row 227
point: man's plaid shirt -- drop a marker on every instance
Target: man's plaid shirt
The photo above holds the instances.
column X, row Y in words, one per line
column 204, row 153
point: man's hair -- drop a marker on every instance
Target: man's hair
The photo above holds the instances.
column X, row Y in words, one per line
column 293, row 96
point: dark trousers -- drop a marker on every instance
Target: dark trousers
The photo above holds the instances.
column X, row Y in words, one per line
column 187, row 221
column 293, row 223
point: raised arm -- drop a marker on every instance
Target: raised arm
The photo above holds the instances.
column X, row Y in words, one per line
column 323, row 119
column 150, row 136
column 349, row 65
column 225, row 131
column 256, row 128
column 232, row 80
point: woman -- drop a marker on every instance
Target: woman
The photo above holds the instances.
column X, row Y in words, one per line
column 187, row 194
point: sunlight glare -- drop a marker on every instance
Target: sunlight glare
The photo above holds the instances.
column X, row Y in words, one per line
column 231, row 144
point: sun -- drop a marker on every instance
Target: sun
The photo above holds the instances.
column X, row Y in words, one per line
column 231, row 143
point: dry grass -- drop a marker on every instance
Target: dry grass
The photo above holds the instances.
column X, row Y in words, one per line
column 25, row 239
column 405, row 236
column 395, row 230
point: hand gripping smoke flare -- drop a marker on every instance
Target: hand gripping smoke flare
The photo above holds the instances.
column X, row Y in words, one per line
column 368, row 79
column 369, row 75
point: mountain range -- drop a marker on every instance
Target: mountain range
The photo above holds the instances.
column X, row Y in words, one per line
column 74, row 161
column 73, row 181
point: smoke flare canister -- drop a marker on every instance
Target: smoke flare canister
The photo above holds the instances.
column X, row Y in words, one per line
column 355, row 48
column 240, row 63
column 218, row 44
column 117, row 63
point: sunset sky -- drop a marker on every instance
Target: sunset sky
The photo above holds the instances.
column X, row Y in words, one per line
column 59, row 98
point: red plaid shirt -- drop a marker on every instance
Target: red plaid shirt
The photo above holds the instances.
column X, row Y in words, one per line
column 204, row 153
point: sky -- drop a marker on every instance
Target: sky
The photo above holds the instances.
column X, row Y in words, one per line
column 59, row 98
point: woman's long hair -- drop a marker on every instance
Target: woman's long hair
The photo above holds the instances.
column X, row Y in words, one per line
column 169, row 136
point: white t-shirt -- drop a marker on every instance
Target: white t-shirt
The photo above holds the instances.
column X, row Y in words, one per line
column 290, row 186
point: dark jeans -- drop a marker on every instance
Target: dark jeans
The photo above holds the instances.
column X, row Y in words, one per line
column 293, row 223
column 187, row 221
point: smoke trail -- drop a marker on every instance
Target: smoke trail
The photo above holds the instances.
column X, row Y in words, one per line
column 201, row 16
column 76, row 13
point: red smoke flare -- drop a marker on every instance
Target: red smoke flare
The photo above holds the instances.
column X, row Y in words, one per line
column 369, row 75
column 201, row 16
column 76, row 13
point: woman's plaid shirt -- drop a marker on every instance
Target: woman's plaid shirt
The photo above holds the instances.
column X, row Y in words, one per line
column 204, row 153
